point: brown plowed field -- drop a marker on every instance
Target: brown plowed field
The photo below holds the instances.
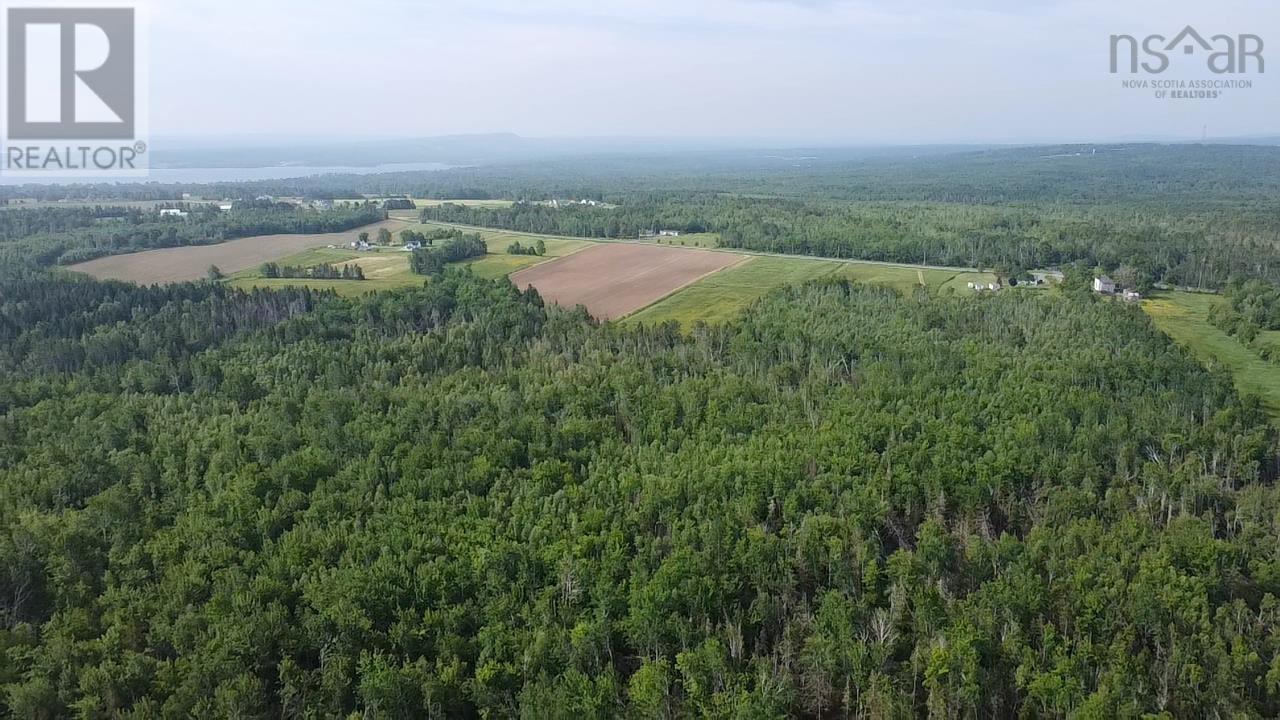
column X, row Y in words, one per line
column 192, row 262
column 613, row 280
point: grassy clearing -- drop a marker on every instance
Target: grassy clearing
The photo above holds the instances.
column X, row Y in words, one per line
column 498, row 263
column 383, row 270
column 1185, row 318
column 722, row 296
column 907, row 279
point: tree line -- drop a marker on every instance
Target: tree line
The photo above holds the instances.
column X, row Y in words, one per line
column 516, row 248
column 323, row 271
column 432, row 261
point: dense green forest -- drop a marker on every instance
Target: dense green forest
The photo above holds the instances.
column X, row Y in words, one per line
column 454, row 501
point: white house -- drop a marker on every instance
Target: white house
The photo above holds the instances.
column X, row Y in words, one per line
column 1104, row 285
column 172, row 212
column 669, row 233
column 225, row 207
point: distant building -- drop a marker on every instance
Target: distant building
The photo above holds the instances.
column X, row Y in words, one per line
column 669, row 233
column 1132, row 296
column 173, row 212
column 225, row 207
column 1104, row 285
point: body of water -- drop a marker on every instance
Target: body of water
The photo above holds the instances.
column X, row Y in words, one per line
column 201, row 176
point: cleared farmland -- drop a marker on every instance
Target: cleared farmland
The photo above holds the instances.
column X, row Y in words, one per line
column 192, row 262
column 613, row 280
column 721, row 297
column 383, row 270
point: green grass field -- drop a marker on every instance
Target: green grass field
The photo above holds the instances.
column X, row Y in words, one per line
column 909, row 278
column 383, row 270
column 1185, row 318
column 722, row 296
column 499, row 264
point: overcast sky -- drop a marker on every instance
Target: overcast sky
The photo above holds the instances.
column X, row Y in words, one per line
column 872, row 71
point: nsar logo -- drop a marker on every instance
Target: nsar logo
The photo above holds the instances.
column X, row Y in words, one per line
column 1223, row 54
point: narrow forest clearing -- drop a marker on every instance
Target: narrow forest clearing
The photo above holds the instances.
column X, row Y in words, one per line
column 1184, row 317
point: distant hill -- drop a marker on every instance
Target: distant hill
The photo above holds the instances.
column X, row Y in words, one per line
column 476, row 150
